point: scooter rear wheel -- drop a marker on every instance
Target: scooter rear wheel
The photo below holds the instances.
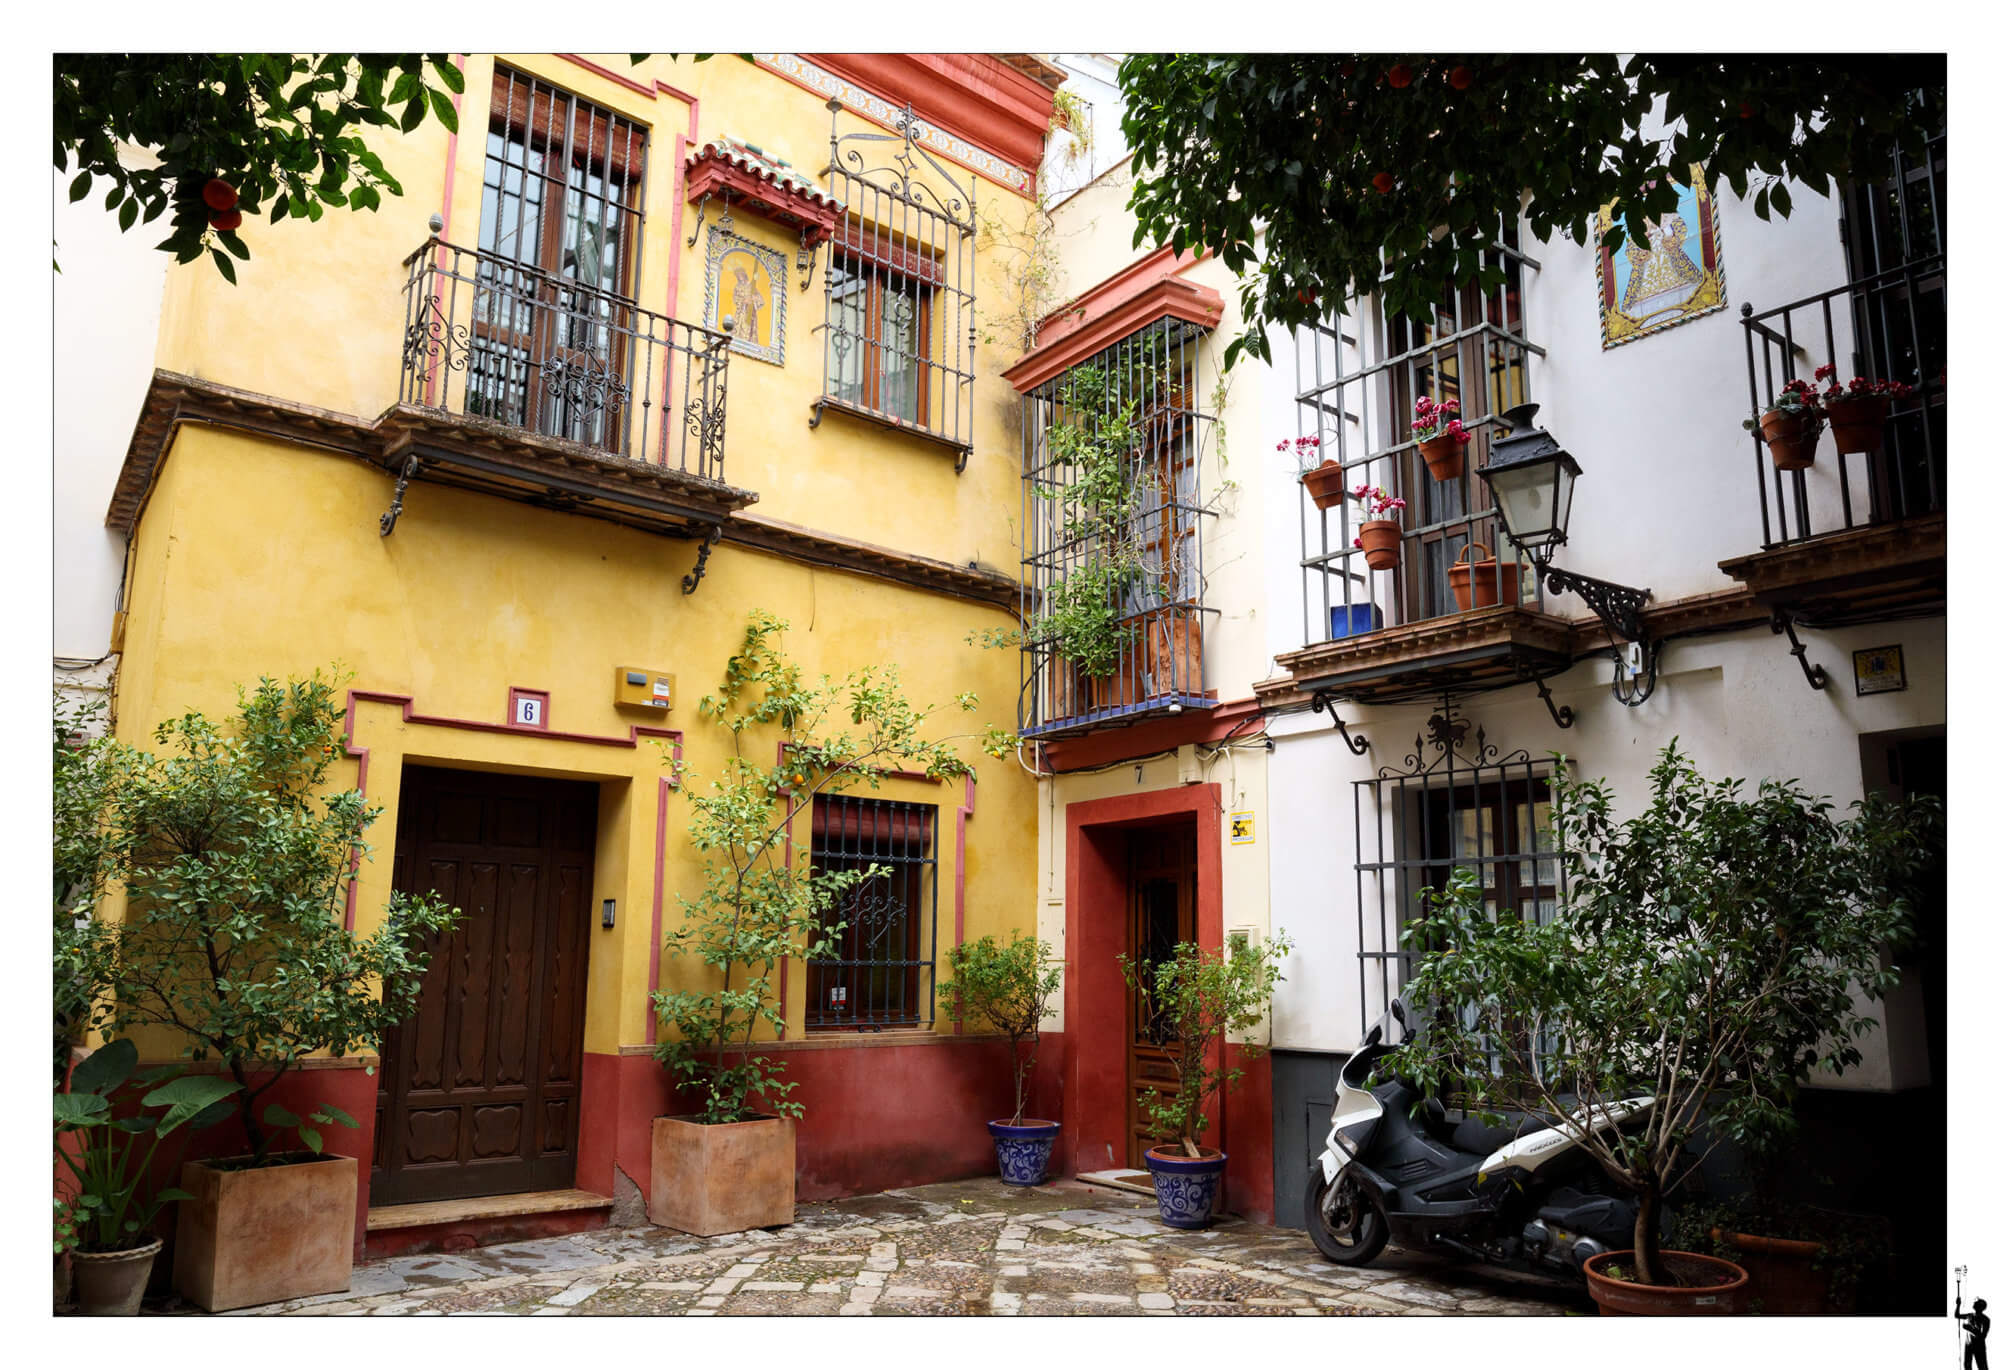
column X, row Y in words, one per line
column 1355, row 1230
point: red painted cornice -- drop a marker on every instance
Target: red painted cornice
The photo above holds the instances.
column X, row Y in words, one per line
column 1115, row 308
column 1236, row 719
column 973, row 95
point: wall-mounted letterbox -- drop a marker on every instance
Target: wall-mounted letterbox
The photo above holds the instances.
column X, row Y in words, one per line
column 642, row 689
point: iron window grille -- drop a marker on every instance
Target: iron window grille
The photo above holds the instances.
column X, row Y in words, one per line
column 1157, row 371
column 900, row 325
column 1886, row 323
column 540, row 321
column 1455, row 801
column 1358, row 380
column 882, row 971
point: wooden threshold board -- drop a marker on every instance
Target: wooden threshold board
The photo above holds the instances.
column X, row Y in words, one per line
column 487, row 1206
column 1135, row 1181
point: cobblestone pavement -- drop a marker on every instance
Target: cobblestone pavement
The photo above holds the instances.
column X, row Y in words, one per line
column 973, row 1246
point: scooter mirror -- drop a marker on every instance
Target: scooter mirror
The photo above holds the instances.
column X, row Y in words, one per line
column 1396, row 1011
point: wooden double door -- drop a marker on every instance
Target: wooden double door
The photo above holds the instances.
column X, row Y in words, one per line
column 479, row 1089
column 1160, row 913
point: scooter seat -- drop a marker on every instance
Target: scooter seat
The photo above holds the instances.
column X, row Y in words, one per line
column 1477, row 1138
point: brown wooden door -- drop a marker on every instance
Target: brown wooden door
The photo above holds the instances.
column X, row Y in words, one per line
column 479, row 1088
column 1160, row 896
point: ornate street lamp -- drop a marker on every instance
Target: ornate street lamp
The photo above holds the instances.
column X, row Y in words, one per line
column 1533, row 482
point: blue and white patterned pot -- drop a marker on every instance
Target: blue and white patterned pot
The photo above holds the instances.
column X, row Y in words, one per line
column 1024, row 1150
column 1185, row 1188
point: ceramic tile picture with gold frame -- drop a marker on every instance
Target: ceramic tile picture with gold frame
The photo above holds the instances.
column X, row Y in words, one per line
column 1677, row 276
column 746, row 285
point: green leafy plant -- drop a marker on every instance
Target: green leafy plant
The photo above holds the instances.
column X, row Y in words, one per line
column 84, row 771
column 1191, row 1002
column 1010, row 987
column 1848, row 1244
column 239, row 133
column 1713, row 949
column 236, row 861
column 108, row 1203
column 761, row 901
column 1301, row 172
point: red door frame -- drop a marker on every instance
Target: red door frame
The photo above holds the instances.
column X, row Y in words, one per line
column 1094, row 995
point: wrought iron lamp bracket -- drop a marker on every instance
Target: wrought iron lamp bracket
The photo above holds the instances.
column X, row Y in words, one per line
column 411, row 464
column 1322, row 703
column 1781, row 622
column 693, row 578
column 808, row 261
column 1617, row 608
column 700, row 213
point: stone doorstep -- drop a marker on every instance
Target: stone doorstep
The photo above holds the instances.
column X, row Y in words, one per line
column 394, row 1216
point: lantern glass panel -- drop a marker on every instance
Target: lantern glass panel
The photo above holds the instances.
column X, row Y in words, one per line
column 1533, row 501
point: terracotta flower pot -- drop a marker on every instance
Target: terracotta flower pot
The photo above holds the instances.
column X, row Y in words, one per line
column 711, row 1178
column 1382, row 543
column 1791, row 438
column 257, row 1236
column 1323, row 484
column 1720, row 1289
column 1164, row 659
column 1782, row 1278
column 1857, row 424
column 109, row 1284
column 1483, row 584
column 1444, row 455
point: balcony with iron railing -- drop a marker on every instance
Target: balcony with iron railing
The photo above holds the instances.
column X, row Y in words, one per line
column 1112, row 567
column 1446, row 599
column 538, row 386
column 1854, row 523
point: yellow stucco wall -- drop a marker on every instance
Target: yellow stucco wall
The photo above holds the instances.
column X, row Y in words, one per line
column 257, row 557
column 318, row 313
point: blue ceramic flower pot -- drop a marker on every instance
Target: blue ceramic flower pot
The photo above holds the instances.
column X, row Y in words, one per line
column 1024, row 1150
column 1185, row 1188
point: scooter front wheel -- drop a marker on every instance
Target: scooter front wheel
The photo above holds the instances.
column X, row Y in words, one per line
column 1347, row 1223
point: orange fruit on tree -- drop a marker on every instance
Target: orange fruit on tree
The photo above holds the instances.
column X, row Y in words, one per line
column 1384, row 182
column 219, row 195
column 227, row 222
column 1400, row 75
column 1461, row 77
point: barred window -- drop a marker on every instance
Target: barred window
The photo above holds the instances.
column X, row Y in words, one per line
column 881, row 970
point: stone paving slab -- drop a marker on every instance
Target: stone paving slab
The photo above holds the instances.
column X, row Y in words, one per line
column 969, row 1247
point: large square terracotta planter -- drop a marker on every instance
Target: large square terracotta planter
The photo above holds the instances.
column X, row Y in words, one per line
column 258, row 1236
column 723, row 1177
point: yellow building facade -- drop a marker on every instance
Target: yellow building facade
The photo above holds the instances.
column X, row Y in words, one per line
column 730, row 355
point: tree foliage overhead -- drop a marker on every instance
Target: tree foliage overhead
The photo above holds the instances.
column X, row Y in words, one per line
column 239, row 134
column 1342, row 161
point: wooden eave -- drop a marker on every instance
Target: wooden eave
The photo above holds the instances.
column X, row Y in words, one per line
column 1480, row 649
column 481, row 455
column 1857, row 576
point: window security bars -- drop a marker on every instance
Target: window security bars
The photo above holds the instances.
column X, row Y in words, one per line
column 538, row 328
column 1358, row 381
column 1139, row 544
column 546, row 355
column 1886, row 323
column 1455, row 801
column 882, row 972
column 900, row 326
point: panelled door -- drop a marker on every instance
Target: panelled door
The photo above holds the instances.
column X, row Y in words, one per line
column 479, row 1088
column 1160, row 891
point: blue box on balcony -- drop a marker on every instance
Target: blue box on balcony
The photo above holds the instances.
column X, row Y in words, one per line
column 1351, row 620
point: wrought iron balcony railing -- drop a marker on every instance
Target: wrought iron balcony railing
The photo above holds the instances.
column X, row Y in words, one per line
column 1888, row 327
column 1114, row 515
column 492, row 338
column 1359, row 378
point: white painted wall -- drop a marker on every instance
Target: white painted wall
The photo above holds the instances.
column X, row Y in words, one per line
column 1069, row 162
column 107, row 317
column 1669, row 489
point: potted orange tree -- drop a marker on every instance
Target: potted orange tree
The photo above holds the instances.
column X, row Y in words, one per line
column 1712, row 950
column 236, row 858
column 1189, row 1003
column 730, row 1165
column 1009, row 987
